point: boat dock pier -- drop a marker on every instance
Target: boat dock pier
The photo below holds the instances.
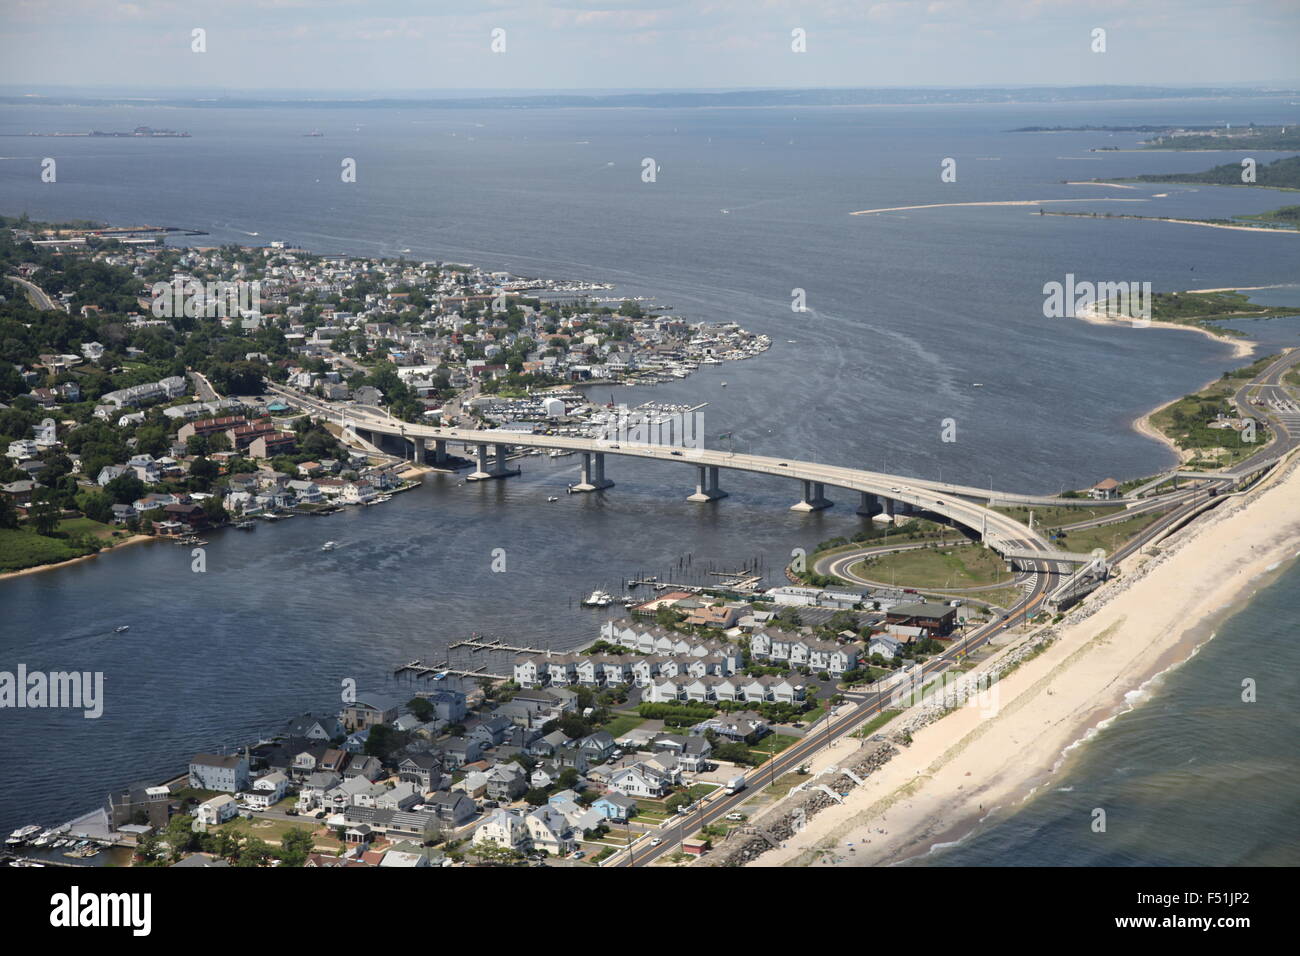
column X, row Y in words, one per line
column 478, row 644
column 419, row 669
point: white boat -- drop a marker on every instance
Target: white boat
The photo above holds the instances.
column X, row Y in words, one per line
column 121, row 628
column 23, row 834
column 329, row 545
column 552, row 498
column 724, row 384
column 598, row 599
column 976, row 384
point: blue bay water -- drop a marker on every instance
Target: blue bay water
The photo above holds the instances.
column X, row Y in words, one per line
column 908, row 309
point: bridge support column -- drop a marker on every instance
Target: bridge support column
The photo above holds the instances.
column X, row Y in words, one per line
column 869, row 505
column 706, row 485
column 439, row 451
column 480, row 473
column 814, row 497
column 502, row 468
column 593, row 473
column 887, row 507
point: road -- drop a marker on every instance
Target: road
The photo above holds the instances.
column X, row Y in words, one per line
column 35, row 294
column 1285, row 424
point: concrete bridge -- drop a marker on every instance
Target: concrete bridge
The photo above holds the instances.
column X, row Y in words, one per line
column 877, row 492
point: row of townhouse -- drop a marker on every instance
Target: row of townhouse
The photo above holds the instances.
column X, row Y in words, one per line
column 764, row 689
column 797, row 651
column 659, row 640
column 595, row 669
column 173, row 386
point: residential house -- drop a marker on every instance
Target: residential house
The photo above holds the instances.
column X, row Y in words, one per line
column 615, row 806
column 506, row 828
column 370, row 710
column 425, row 770
column 506, row 782
column 227, row 773
column 215, row 812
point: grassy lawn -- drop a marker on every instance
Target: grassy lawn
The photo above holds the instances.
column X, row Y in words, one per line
column 960, row 566
column 621, row 724
column 651, row 811
column 23, row 548
column 810, row 717
column 770, row 744
column 1108, row 536
column 784, row 784
column 1057, row 517
column 273, row 831
column 876, row 722
column 701, row 790
column 104, row 532
column 1002, row 597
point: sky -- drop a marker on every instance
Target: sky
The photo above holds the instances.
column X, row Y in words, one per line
column 361, row 47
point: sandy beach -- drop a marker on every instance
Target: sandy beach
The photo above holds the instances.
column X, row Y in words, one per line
column 1224, row 225
column 1241, row 348
column 1149, row 619
column 1006, row 202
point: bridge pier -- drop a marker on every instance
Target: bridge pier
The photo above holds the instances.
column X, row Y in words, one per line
column 496, row 468
column 706, row 484
column 439, row 451
column 814, row 497
column 593, row 473
column 869, row 505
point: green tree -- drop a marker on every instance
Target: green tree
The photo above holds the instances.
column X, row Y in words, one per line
column 295, row 847
column 45, row 512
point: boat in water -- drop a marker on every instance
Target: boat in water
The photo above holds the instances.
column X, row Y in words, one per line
column 329, row 545
column 598, row 599
column 23, row 834
column 552, row 498
column 121, row 628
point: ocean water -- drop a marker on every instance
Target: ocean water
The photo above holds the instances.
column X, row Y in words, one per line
column 908, row 309
column 1191, row 776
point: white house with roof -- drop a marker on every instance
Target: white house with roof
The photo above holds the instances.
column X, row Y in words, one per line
column 215, row 812
column 549, row 830
column 267, row 790
column 506, row 828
